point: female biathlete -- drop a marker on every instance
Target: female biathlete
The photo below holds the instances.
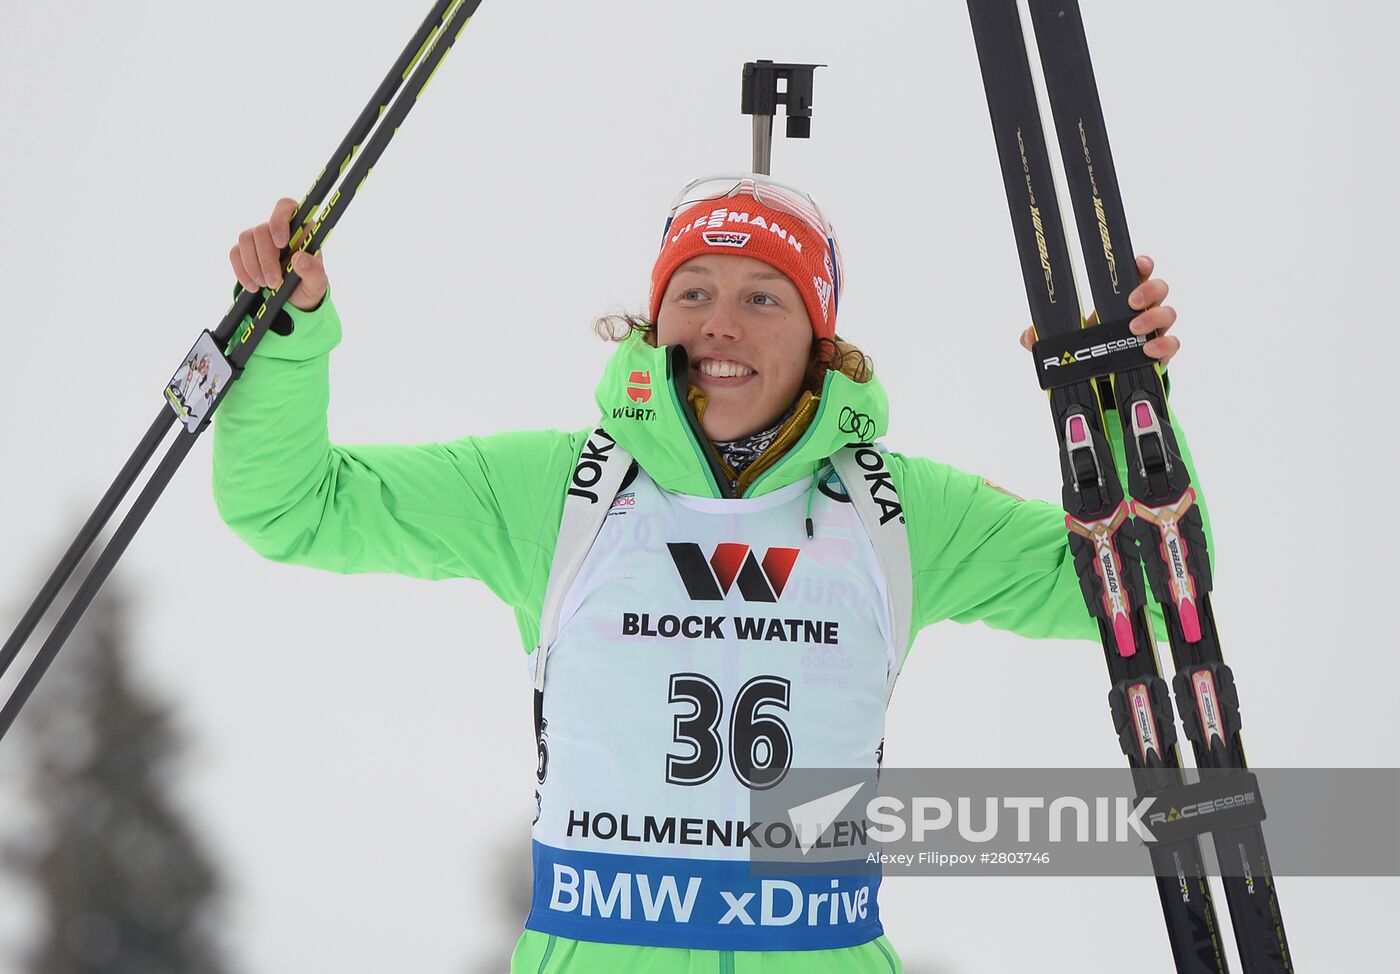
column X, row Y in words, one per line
column 723, row 586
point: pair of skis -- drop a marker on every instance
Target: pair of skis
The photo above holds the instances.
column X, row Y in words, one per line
column 243, row 326
column 1157, row 528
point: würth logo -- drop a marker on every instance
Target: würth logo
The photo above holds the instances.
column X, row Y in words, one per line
column 710, row 581
column 640, row 388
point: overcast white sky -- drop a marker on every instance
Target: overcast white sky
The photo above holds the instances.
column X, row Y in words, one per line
column 361, row 745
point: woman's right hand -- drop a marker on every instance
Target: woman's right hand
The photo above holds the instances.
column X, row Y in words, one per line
column 257, row 264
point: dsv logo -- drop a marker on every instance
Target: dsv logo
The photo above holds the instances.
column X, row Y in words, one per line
column 731, row 564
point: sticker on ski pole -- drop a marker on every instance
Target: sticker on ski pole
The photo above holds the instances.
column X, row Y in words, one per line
column 198, row 382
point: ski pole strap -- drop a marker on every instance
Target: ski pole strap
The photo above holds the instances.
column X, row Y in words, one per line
column 1221, row 800
column 1088, row 353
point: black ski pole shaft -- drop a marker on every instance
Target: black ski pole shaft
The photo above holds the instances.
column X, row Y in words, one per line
column 246, row 339
column 244, row 304
column 1105, row 555
column 101, row 568
column 1168, row 522
column 89, row 532
column 428, row 57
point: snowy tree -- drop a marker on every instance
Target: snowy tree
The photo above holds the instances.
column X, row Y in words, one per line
column 122, row 882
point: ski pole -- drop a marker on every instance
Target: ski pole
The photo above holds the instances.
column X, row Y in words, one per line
column 415, row 66
column 244, row 304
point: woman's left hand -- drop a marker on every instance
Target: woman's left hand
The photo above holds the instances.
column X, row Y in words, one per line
column 1152, row 315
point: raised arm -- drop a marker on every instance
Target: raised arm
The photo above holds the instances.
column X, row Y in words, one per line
column 478, row 507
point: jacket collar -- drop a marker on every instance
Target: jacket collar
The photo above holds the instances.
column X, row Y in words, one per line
column 643, row 397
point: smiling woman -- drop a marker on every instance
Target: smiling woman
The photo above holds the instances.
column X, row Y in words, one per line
column 725, row 289
column 738, row 432
column 747, row 336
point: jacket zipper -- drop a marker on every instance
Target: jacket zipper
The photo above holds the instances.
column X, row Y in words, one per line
column 548, row 953
column 888, row 959
column 821, row 406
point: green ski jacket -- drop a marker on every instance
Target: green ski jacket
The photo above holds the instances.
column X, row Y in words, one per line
column 488, row 507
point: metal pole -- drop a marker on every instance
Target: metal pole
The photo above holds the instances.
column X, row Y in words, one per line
column 763, row 144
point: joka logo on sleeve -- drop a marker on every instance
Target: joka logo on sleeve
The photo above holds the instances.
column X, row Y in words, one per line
column 710, row 580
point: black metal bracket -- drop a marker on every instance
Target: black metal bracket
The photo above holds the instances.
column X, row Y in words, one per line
column 762, row 97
